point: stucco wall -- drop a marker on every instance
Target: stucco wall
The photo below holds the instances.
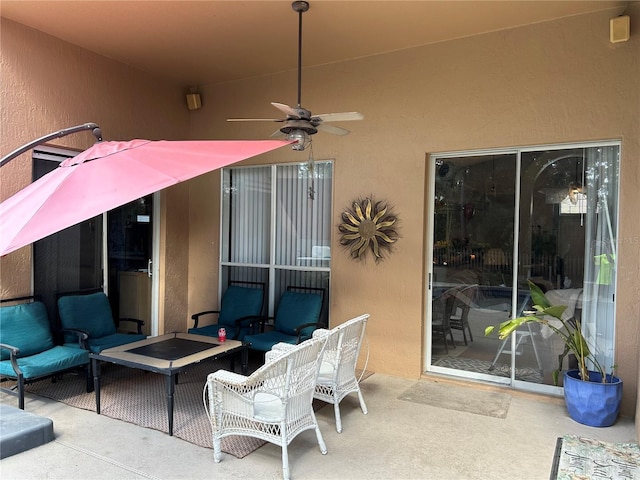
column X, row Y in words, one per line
column 548, row 83
column 47, row 85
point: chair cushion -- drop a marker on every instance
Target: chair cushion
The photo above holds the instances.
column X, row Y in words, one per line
column 45, row 363
column 265, row 341
column 212, row 331
column 326, row 372
column 239, row 302
column 91, row 313
column 27, row 327
column 267, row 407
column 295, row 309
column 96, row 345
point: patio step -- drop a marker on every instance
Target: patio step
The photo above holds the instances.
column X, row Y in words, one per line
column 20, row 430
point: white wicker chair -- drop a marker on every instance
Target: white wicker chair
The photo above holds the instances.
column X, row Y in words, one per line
column 337, row 375
column 274, row 403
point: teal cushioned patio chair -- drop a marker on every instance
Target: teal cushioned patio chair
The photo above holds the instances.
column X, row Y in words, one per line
column 90, row 312
column 241, row 303
column 27, row 349
column 297, row 316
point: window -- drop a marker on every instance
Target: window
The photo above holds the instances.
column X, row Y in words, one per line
column 276, row 227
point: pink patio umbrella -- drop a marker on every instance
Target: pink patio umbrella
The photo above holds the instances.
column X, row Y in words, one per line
column 108, row 175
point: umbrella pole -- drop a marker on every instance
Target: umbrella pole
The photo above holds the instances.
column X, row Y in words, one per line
column 61, row 133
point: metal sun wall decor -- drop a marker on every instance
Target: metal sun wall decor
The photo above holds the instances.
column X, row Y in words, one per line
column 368, row 225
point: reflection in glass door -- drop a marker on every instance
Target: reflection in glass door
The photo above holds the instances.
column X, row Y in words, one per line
column 500, row 220
column 129, row 253
column 473, row 270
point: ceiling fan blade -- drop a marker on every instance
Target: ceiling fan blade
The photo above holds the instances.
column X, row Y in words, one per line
column 340, row 117
column 332, row 129
column 286, row 109
column 276, row 134
column 255, row 119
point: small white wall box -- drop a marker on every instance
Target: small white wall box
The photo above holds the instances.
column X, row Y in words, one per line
column 193, row 101
column 619, row 29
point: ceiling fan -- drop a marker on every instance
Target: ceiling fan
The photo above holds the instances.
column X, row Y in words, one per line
column 299, row 123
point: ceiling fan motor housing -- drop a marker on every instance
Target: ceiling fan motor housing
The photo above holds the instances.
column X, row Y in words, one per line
column 295, row 124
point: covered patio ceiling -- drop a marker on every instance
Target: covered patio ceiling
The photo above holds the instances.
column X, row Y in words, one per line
column 207, row 42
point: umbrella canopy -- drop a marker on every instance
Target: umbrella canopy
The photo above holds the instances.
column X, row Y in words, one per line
column 108, row 175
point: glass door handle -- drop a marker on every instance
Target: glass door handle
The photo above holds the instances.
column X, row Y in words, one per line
column 149, row 265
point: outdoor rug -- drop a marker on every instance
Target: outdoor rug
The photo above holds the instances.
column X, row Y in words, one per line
column 462, row 399
column 578, row 458
column 139, row 397
column 480, row 366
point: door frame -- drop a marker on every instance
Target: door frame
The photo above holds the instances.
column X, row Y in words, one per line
column 429, row 268
column 155, row 262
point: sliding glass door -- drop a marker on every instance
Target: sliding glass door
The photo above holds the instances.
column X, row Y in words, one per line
column 505, row 217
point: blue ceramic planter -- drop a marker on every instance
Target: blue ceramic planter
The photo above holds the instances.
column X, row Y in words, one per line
column 592, row 403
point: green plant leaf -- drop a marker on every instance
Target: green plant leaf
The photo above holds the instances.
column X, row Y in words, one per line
column 555, row 311
column 537, row 295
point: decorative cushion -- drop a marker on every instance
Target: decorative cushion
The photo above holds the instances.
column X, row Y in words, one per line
column 91, row 313
column 27, row 327
column 297, row 309
column 239, row 302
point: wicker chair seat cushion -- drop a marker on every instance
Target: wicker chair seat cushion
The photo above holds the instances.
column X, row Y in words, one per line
column 267, row 407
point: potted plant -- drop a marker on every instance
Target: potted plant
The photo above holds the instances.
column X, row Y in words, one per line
column 592, row 396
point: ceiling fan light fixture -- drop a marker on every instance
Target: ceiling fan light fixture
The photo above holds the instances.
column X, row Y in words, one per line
column 302, row 139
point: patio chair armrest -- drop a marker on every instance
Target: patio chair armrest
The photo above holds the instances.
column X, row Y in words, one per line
column 299, row 330
column 196, row 316
column 82, row 335
column 251, row 321
column 139, row 323
column 13, row 355
column 12, row 350
column 227, row 377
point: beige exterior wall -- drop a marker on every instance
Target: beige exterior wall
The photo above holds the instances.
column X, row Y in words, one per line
column 542, row 84
column 48, row 85
column 548, row 83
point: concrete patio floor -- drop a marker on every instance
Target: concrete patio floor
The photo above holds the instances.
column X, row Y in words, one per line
column 397, row 439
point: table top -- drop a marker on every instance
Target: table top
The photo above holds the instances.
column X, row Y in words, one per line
column 168, row 352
